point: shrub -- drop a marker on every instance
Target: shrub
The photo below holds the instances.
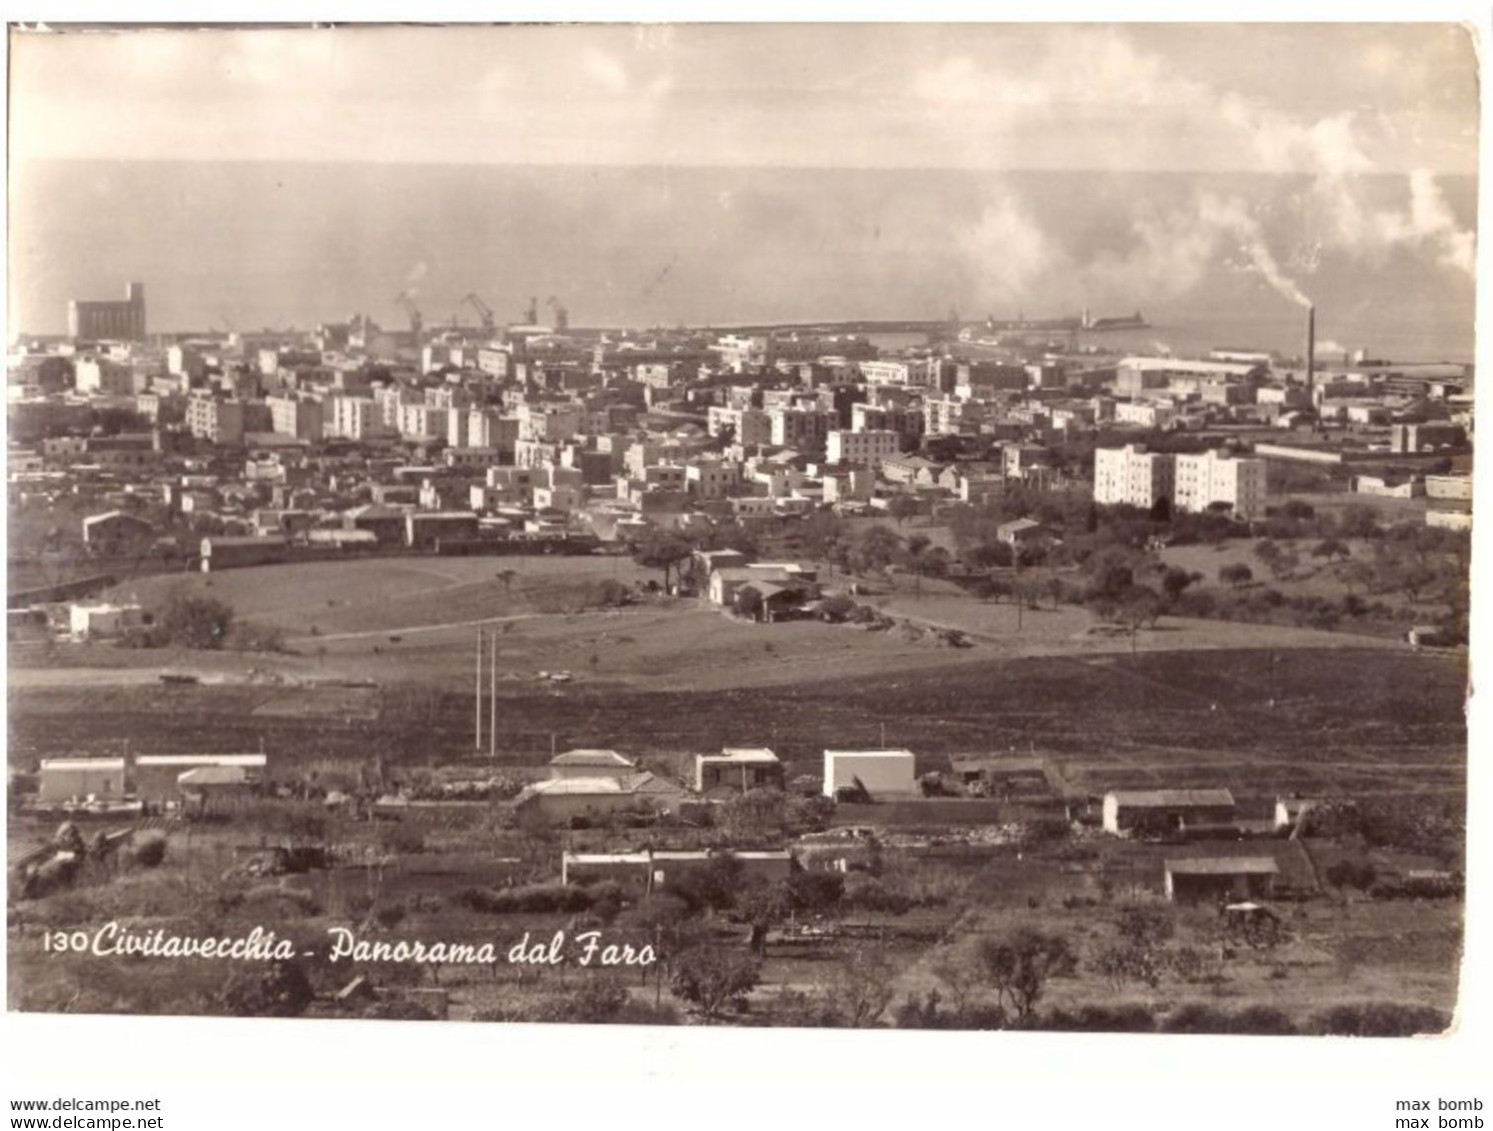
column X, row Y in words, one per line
column 397, row 1009
column 1378, row 1019
column 149, row 850
column 1195, row 1018
column 1350, row 874
column 1134, row 1018
column 281, row 991
column 536, row 898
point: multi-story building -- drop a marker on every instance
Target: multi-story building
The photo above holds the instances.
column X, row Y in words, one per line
column 295, row 416
column 1144, row 414
column 748, row 426
column 1405, row 438
column 219, row 421
column 124, row 321
column 1217, row 479
column 869, row 448
column 803, row 429
column 550, row 423
column 390, row 399
column 103, row 375
column 711, row 478
column 906, row 418
column 1133, row 476
column 886, row 372
column 423, row 421
column 353, row 418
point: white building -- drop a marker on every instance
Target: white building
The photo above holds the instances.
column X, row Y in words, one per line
column 353, row 418
column 295, row 416
column 751, row 427
column 103, row 620
column 1145, row 414
column 869, row 448
column 1133, row 476
column 884, row 773
column 886, row 372
column 1218, row 478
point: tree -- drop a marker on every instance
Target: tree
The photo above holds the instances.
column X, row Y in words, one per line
column 815, row 893
column 1269, row 552
column 506, row 576
column 876, row 549
column 1174, row 582
column 657, row 549
column 712, row 977
column 194, row 622
column 958, row 969
column 749, row 603
column 712, row 887
column 1358, row 521
column 1020, row 965
column 1138, row 607
column 836, row 609
column 861, row 989
column 903, row 507
column 755, row 813
column 1331, row 549
column 763, row 906
column 1237, row 574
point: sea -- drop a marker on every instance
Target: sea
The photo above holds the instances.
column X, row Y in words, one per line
column 253, row 245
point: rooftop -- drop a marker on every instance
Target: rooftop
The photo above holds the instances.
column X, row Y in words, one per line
column 1224, row 866
column 742, row 754
column 591, row 758
column 1170, row 797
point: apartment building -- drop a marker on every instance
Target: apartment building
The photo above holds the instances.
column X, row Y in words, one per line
column 1217, row 479
column 1133, row 476
column 869, row 448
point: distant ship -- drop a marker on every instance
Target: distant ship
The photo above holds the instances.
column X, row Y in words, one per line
column 1021, row 323
column 1134, row 321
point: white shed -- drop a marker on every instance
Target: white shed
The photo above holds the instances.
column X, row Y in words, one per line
column 882, row 772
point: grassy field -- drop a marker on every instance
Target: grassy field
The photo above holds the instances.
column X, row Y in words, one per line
column 1353, row 719
column 383, row 594
column 414, row 620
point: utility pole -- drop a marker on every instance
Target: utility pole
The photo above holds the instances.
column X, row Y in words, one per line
column 477, row 697
column 492, row 700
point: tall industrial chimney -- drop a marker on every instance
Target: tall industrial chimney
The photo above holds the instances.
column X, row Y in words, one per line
column 1311, row 352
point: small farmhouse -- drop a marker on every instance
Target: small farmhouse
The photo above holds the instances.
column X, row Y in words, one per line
column 884, row 773
column 1220, row 878
column 1173, row 809
column 738, row 769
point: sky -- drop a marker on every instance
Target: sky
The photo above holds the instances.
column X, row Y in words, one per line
column 1211, row 97
column 662, row 173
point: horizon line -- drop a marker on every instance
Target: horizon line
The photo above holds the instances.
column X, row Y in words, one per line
column 18, row 161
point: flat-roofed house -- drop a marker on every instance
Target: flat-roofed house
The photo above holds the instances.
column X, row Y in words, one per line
column 1220, row 878
column 1177, row 809
column 66, row 779
column 560, row 800
column 591, row 764
column 738, row 768
column 156, row 778
column 884, row 773
column 648, row 871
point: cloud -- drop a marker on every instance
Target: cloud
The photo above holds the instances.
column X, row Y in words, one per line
column 1137, row 103
column 607, row 71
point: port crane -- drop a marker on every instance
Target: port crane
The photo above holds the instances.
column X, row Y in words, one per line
column 484, row 312
column 417, row 320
